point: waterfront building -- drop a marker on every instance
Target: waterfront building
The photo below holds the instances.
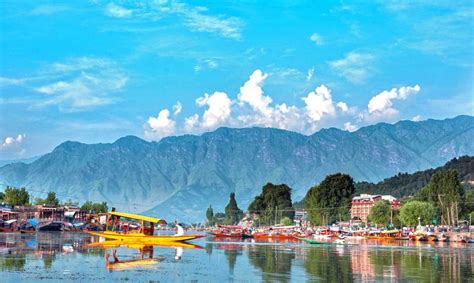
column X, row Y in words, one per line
column 6, row 213
column 362, row 204
column 301, row 217
column 50, row 213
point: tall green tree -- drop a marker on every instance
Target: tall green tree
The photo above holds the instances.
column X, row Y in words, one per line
column 98, row 207
column 410, row 212
column 233, row 213
column 273, row 204
column 330, row 201
column 16, row 196
column 446, row 193
column 210, row 216
column 51, row 199
column 380, row 213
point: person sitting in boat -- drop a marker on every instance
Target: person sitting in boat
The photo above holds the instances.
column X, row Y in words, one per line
column 117, row 223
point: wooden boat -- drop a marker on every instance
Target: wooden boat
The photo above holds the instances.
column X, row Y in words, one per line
column 8, row 226
column 315, row 242
column 432, row 238
column 419, row 236
column 27, row 231
column 389, row 234
column 276, row 233
column 274, row 236
column 332, row 243
column 51, row 226
column 144, row 233
column 402, row 238
column 230, row 231
column 119, row 243
column 442, row 238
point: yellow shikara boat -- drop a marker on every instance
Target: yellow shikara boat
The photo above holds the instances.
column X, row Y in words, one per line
column 118, row 243
column 144, row 234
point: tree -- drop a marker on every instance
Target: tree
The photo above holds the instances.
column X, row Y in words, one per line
column 410, row 212
column 69, row 202
column 446, row 193
column 380, row 213
column 51, row 199
column 210, row 216
column 219, row 218
column 99, row 207
column 273, row 204
column 16, row 196
column 286, row 221
column 232, row 212
column 330, row 201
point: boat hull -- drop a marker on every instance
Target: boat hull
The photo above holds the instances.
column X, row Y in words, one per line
column 144, row 238
column 135, row 245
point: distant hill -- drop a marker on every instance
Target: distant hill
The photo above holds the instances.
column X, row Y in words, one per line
column 178, row 177
column 23, row 160
column 405, row 184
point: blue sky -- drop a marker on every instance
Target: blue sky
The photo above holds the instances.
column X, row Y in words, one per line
column 94, row 71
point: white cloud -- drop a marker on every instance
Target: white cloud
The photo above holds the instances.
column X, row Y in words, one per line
column 81, row 83
column 195, row 18
column 14, row 144
column 252, row 107
column 218, row 111
column 11, row 141
column 252, row 93
column 229, row 27
column 177, row 108
column 343, row 106
column 206, row 64
column 416, row 118
column 114, row 10
column 355, row 67
column 191, row 123
column 319, row 103
column 48, row 10
column 310, row 74
column 4, row 81
column 160, row 126
column 316, row 38
column 350, row 127
column 381, row 104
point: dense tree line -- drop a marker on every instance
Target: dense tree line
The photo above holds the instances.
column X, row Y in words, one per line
column 21, row 197
column 404, row 184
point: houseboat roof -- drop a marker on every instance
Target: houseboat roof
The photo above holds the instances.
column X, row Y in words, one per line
column 137, row 217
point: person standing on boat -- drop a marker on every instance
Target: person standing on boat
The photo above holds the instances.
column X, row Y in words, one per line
column 179, row 229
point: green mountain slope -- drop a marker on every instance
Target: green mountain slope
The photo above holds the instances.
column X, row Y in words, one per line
column 405, row 184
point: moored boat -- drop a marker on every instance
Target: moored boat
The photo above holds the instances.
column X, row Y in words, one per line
column 230, row 231
column 51, row 226
column 336, row 242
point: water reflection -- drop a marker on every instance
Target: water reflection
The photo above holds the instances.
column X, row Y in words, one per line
column 329, row 262
column 71, row 256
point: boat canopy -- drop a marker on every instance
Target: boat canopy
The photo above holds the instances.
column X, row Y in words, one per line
column 138, row 217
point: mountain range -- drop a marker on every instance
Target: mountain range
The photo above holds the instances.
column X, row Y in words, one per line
column 179, row 177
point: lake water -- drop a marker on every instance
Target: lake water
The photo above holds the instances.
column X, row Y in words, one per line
column 69, row 257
